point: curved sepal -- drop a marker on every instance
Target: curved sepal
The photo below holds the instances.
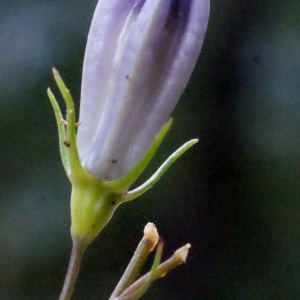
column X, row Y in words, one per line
column 70, row 131
column 160, row 172
column 61, row 133
column 125, row 182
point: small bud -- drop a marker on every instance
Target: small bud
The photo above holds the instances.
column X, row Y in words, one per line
column 151, row 234
column 182, row 253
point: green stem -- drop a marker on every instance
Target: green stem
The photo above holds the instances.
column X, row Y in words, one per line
column 73, row 269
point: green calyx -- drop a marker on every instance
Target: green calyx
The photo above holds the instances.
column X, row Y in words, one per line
column 92, row 206
column 94, row 201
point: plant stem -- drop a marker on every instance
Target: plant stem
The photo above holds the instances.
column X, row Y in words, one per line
column 73, row 269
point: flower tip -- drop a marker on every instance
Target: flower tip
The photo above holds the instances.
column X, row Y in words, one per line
column 151, row 234
column 170, row 121
column 55, row 72
column 182, row 253
column 49, row 93
column 168, row 125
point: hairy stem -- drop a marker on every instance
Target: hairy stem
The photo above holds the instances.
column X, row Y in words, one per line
column 73, row 269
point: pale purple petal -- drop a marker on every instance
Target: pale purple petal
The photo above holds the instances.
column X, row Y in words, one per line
column 108, row 36
column 161, row 49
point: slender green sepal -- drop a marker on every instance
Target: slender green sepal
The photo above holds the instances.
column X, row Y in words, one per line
column 61, row 132
column 71, row 130
column 145, row 286
column 124, row 182
column 160, row 172
column 70, row 141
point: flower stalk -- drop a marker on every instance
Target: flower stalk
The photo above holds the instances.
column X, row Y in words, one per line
column 73, row 269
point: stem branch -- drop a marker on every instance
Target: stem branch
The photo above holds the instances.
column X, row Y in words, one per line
column 146, row 245
column 178, row 258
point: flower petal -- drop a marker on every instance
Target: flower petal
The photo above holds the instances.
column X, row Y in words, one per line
column 107, row 38
column 159, row 54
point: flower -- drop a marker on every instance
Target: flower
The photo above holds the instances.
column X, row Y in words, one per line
column 138, row 60
column 139, row 57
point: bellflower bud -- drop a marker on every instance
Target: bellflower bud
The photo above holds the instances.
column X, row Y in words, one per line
column 138, row 60
column 139, row 57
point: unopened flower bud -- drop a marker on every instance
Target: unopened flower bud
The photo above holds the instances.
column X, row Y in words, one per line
column 139, row 57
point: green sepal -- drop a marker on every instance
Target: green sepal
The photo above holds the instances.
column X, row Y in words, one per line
column 160, row 171
column 70, row 142
column 61, row 133
column 123, row 183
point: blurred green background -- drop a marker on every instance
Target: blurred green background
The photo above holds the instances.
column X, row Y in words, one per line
column 235, row 196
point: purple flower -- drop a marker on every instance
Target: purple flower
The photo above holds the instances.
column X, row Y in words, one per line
column 139, row 57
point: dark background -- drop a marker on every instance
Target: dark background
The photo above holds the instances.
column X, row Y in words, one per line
column 235, row 196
